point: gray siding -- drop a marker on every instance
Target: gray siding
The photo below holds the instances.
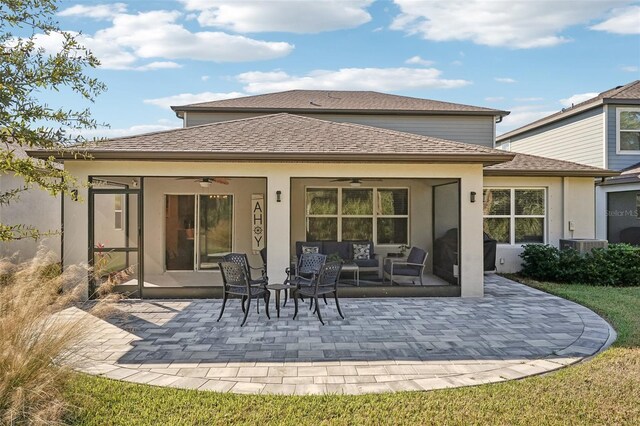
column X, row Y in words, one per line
column 577, row 138
column 477, row 130
column 617, row 161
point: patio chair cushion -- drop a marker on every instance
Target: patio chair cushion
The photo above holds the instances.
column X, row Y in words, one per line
column 412, row 271
column 310, row 249
column 361, row 251
column 416, row 255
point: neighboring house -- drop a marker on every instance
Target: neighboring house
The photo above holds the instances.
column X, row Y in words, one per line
column 603, row 132
column 271, row 170
column 33, row 207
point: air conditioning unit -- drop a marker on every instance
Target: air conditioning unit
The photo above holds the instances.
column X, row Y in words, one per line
column 583, row 245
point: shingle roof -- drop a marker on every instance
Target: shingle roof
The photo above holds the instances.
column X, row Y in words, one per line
column 337, row 101
column 629, row 175
column 285, row 136
column 533, row 165
column 629, row 93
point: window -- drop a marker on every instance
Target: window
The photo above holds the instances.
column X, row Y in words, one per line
column 628, row 134
column 117, row 223
column 515, row 216
column 351, row 214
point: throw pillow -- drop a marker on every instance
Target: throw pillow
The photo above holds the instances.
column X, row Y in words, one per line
column 310, row 249
column 361, row 251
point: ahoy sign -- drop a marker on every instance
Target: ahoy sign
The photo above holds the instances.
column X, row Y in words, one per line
column 257, row 222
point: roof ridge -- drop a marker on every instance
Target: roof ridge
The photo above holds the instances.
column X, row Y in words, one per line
column 620, row 89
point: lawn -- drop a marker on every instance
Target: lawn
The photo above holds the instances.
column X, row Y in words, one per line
column 604, row 390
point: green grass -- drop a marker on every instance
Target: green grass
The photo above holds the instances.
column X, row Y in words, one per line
column 604, row 390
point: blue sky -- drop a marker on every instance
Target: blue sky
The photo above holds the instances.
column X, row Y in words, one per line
column 529, row 57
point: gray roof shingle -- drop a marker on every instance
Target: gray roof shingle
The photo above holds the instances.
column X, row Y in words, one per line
column 290, row 136
column 337, row 101
column 533, row 165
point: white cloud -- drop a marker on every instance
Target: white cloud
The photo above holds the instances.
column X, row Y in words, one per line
column 101, row 11
column 494, row 98
column 132, row 38
column 520, row 24
column 630, row 68
column 504, row 80
column 191, row 98
column 417, row 60
column 379, row 79
column 622, row 21
column 520, row 116
column 205, row 78
column 577, row 98
column 295, row 16
column 128, row 131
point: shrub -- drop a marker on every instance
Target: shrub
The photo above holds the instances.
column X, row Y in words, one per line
column 35, row 339
column 618, row 265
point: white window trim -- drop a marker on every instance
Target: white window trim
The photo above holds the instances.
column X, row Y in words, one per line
column 374, row 216
column 618, row 150
column 512, row 216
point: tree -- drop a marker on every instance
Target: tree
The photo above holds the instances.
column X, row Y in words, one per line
column 28, row 72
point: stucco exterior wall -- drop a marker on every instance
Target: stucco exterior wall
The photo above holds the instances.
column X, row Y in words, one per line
column 477, row 130
column 279, row 177
column 568, row 200
column 36, row 208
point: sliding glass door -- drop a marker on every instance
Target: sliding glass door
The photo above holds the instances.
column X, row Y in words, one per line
column 198, row 231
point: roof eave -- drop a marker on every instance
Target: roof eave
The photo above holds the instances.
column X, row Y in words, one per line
column 492, row 113
column 557, row 173
column 485, row 159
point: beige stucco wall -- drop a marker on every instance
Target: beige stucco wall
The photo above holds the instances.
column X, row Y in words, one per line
column 279, row 177
column 568, row 200
column 36, row 208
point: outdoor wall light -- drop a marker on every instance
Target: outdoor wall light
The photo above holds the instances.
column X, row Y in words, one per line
column 473, row 197
column 278, row 196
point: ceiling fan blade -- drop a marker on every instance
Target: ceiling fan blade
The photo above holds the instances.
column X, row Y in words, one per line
column 223, row 181
column 342, row 180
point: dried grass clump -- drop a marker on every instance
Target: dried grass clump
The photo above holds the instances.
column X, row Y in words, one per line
column 36, row 342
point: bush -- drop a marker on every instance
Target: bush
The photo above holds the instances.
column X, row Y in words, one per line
column 37, row 339
column 616, row 266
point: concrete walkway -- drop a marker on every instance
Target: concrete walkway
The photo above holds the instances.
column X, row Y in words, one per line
column 383, row 345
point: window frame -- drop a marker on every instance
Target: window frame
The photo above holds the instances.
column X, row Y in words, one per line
column 374, row 216
column 117, row 210
column 512, row 216
column 620, row 151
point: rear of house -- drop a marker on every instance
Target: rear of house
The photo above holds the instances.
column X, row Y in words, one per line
column 275, row 170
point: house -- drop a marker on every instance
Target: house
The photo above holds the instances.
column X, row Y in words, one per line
column 34, row 208
column 603, row 132
column 271, row 170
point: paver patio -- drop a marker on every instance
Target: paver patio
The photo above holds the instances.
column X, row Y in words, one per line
column 383, row 345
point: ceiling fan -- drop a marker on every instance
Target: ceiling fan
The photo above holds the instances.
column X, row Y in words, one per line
column 206, row 182
column 355, row 181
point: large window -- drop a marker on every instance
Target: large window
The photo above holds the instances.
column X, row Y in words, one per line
column 628, row 125
column 515, row 215
column 350, row 214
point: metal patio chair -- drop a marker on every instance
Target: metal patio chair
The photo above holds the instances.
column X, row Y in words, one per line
column 307, row 268
column 237, row 283
column 323, row 284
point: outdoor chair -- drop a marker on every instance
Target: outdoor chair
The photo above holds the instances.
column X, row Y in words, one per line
column 237, row 283
column 413, row 267
column 323, row 284
column 307, row 268
column 242, row 260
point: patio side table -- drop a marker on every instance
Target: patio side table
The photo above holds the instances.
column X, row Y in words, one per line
column 352, row 267
column 277, row 288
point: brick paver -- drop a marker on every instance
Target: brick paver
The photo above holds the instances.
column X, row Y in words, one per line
column 383, row 345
